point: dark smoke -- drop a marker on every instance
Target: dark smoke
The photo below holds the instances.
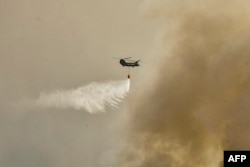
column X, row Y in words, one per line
column 200, row 104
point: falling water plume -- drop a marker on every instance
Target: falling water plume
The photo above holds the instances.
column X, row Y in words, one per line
column 94, row 97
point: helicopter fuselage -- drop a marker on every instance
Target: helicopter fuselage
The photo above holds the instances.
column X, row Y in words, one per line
column 129, row 64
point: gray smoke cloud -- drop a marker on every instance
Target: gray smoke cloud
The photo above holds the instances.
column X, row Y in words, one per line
column 199, row 104
column 93, row 97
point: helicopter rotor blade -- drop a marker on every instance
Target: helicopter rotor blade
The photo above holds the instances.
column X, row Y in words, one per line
column 127, row 58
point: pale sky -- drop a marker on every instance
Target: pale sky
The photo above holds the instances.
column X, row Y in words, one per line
column 48, row 45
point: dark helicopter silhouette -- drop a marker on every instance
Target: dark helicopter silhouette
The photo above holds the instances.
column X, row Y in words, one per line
column 129, row 63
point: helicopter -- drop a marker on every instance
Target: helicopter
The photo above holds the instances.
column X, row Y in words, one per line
column 129, row 63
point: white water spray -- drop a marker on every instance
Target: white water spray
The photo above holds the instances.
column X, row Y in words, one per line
column 93, row 97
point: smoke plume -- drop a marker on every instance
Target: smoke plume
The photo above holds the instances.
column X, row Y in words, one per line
column 199, row 105
column 93, row 97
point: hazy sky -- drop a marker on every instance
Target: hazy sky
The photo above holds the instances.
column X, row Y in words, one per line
column 48, row 45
